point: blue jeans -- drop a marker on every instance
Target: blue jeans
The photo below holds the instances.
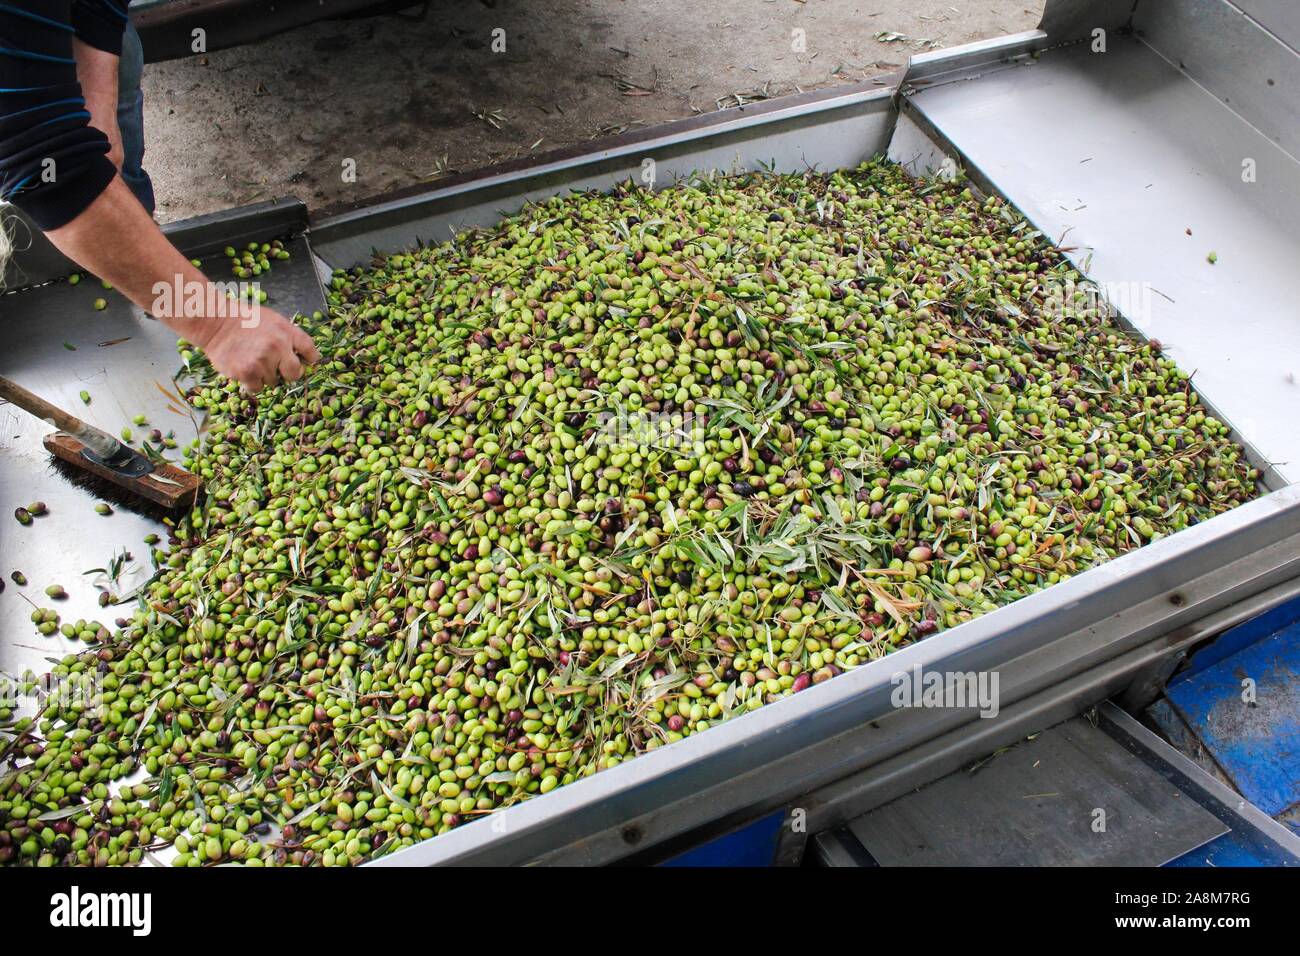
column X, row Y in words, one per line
column 130, row 117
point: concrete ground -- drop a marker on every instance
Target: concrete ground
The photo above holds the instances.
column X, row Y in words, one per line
column 413, row 96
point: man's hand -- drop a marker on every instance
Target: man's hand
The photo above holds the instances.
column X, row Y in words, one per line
column 262, row 355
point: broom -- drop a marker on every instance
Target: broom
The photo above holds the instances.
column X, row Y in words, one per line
column 99, row 462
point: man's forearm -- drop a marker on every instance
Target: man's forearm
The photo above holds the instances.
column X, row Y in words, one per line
column 97, row 71
column 118, row 241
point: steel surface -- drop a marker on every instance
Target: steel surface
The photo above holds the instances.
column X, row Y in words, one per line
column 1069, row 796
column 1118, row 157
column 124, row 360
column 1248, row 70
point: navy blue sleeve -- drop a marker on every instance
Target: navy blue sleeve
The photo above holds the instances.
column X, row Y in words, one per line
column 53, row 163
column 100, row 23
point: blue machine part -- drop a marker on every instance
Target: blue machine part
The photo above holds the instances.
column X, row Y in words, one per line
column 1236, row 848
column 1241, row 697
column 751, row 845
column 1240, row 637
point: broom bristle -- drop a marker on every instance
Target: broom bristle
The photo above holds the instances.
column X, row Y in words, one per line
column 105, row 490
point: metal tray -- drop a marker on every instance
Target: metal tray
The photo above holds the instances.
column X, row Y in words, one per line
column 1056, row 651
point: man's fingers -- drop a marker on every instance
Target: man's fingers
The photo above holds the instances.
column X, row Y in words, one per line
column 305, row 347
column 268, row 371
column 290, row 368
column 262, row 357
column 252, row 378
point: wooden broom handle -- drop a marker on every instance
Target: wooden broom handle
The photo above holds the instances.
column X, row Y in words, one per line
column 39, row 407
